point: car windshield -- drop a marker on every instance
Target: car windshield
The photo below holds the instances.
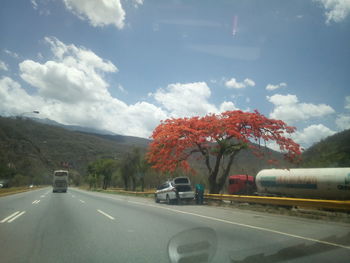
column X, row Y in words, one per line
column 174, row 131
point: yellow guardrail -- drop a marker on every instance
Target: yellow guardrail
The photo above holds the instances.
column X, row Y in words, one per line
column 286, row 201
column 130, row 192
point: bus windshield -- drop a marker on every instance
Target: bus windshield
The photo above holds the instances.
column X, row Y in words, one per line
column 61, row 174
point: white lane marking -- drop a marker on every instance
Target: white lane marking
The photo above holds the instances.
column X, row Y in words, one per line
column 42, row 196
column 14, row 218
column 263, row 229
column 82, row 201
column 36, row 202
column 105, row 214
column 7, row 218
column 240, row 224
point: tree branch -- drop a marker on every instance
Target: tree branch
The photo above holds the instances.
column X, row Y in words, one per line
column 205, row 153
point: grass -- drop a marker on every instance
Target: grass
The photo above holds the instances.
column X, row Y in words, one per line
column 16, row 190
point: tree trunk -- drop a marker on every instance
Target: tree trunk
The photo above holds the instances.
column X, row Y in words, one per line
column 142, row 184
column 126, row 185
column 213, row 185
column 133, row 183
column 216, row 184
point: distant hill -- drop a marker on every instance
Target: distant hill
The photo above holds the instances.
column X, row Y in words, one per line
column 333, row 151
column 34, row 150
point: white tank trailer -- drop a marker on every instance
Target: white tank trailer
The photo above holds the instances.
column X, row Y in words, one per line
column 321, row 183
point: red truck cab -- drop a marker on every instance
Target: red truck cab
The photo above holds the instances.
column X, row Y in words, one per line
column 241, row 184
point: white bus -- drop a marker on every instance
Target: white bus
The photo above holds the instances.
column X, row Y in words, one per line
column 60, row 181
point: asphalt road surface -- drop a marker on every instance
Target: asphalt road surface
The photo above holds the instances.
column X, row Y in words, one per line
column 81, row 226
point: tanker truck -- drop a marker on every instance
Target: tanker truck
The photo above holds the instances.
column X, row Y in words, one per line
column 320, row 183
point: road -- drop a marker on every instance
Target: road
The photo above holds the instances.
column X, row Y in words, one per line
column 81, row 226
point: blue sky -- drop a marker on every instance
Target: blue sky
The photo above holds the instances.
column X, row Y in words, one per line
column 125, row 65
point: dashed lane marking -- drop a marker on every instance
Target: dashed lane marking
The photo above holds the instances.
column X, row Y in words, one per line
column 12, row 217
column 105, row 214
column 36, row 202
column 82, row 201
column 7, row 218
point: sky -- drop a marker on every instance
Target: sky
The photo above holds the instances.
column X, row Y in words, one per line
column 125, row 65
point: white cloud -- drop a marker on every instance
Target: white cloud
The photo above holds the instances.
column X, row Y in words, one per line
column 34, row 4
column 336, row 10
column 3, row 66
column 15, row 100
column 312, row 134
column 188, row 99
column 234, row 84
column 72, row 77
column 41, row 6
column 343, row 121
column 71, row 89
column 288, row 108
column 108, row 113
column 227, row 106
column 306, row 137
column 121, row 88
column 347, row 102
column 99, row 12
column 249, row 82
column 137, row 3
column 274, row 87
column 11, row 53
column 279, row 99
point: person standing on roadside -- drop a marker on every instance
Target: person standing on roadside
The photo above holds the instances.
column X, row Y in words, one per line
column 199, row 194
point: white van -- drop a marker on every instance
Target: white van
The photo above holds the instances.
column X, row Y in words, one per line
column 174, row 191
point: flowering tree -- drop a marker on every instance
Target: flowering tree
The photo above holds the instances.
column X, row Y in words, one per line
column 214, row 138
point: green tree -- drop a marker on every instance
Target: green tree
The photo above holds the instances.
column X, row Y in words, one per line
column 101, row 169
column 133, row 167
